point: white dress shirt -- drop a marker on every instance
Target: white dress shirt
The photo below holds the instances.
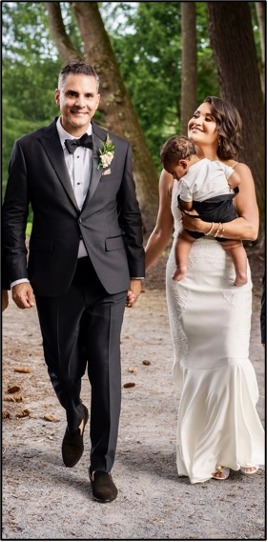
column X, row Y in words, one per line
column 79, row 165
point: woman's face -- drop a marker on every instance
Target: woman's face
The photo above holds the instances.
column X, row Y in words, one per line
column 202, row 128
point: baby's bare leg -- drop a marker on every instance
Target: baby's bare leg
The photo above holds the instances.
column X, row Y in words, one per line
column 238, row 254
column 182, row 251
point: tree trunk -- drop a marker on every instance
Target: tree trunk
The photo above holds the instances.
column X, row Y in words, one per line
column 66, row 49
column 237, row 66
column 189, row 64
column 260, row 10
column 120, row 116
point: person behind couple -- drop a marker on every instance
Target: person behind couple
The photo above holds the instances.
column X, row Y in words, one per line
column 207, row 186
column 218, row 425
column 86, row 260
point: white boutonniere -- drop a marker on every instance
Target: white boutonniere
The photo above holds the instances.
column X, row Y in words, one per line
column 106, row 154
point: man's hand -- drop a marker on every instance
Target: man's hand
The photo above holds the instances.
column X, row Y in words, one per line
column 133, row 292
column 4, row 299
column 22, row 295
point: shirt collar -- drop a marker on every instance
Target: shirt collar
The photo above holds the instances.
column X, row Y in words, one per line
column 65, row 135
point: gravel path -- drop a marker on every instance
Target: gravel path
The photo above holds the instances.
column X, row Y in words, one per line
column 43, row 500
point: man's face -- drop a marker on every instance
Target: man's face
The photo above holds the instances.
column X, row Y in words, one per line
column 78, row 100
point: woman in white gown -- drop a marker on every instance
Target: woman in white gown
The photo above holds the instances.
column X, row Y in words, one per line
column 210, row 318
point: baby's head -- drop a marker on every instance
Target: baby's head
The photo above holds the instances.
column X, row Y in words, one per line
column 177, row 155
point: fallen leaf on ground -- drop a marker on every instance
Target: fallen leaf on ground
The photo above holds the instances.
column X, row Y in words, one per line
column 13, row 389
column 16, row 399
column 50, row 418
column 146, row 362
column 5, row 415
column 132, row 370
column 129, row 384
column 23, row 414
column 22, row 370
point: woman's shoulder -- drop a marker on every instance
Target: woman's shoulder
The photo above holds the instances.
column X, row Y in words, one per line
column 240, row 167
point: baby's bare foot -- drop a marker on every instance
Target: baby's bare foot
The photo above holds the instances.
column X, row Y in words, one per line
column 180, row 273
column 241, row 279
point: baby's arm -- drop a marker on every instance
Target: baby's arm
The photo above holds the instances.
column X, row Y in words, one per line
column 187, row 205
column 185, row 199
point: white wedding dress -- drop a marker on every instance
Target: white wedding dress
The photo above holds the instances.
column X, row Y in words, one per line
column 210, row 321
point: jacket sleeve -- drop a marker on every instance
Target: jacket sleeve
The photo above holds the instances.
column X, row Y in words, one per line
column 130, row 221
column 15, row 213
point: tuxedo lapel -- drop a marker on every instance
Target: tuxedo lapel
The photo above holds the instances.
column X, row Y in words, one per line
column 53, row 148
column 98, row 140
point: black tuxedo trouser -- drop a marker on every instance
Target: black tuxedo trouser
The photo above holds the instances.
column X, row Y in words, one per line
column 83, row 326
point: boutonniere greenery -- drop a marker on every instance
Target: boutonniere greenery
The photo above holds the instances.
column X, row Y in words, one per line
column 106, row 154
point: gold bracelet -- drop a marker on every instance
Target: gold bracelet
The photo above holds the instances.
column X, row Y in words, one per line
column 222, row 230
column 218, row 230
column 210, row 229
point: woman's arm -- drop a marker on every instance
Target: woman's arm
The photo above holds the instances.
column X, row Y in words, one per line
column 246, row 226
column 162, row 231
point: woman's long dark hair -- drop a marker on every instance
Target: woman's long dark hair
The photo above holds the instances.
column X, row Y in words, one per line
column 229, row 126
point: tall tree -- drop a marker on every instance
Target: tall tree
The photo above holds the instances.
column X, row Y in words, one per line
column 189, row 64
column 147, row 46
column 237, row 66
column 120, row 116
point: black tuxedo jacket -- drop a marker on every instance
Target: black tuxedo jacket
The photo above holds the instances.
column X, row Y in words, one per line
column 109, row 222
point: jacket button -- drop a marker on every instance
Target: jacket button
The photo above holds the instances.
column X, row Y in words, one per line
column 80, row 221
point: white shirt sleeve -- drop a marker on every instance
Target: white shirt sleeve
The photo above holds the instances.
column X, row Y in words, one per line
column 186, row 193
column 19, row 281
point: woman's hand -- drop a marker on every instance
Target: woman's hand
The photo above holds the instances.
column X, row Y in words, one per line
column 193, row 224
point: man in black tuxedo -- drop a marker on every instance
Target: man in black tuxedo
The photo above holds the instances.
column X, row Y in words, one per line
column 86, row 260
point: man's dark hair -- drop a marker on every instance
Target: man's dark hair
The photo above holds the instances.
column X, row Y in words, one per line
column 78, row 68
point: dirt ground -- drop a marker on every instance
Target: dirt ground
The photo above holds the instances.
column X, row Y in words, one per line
column 45, row 501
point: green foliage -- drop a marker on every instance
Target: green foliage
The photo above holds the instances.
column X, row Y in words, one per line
column 256, row 33
column 146, row 38
column 147, row 46
column 30, row 67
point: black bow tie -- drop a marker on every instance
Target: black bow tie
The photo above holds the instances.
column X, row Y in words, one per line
column 84, row 141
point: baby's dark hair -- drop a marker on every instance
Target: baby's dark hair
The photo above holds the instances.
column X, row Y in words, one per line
column 176, row 148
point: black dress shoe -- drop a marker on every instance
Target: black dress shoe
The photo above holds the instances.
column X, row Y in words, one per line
column 103, row 488
column 73, row 443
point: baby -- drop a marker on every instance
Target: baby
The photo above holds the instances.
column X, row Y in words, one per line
column 208, row 187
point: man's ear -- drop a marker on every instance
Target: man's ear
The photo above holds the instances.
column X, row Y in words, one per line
column 57, row 96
